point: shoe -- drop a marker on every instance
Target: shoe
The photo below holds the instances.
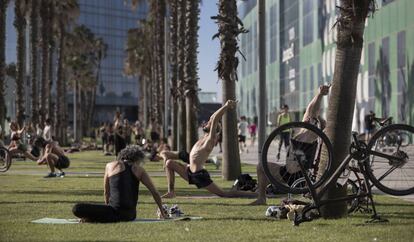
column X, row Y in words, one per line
column 50, row 175
column 62, row 174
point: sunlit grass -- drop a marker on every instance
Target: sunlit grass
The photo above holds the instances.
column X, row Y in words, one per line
column 26, row 197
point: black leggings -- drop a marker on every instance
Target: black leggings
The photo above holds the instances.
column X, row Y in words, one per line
column 285, row 136
column 96, row 213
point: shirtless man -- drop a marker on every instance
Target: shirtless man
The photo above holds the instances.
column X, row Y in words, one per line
column 194, row 172
column 312, row 113
column 53, row 156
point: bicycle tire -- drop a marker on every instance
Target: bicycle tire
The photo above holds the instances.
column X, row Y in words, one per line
column 402, row 167
column 279, row 180
column 5, row 159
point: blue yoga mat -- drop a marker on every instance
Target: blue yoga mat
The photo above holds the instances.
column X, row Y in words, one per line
column 138, row 220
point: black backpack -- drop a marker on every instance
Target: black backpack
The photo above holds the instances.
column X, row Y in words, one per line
column 245, row 183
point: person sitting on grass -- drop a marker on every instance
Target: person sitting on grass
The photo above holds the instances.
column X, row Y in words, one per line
column 16, row 145
column 194, row 172
column 121, row 186
column 312, row 115
column 53, row 156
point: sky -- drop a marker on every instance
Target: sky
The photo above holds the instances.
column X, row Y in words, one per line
column 208, row 49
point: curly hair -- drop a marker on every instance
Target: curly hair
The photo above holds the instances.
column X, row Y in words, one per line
column 130, row 154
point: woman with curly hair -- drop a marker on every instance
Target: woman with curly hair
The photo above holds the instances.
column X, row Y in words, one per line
column 121, row 186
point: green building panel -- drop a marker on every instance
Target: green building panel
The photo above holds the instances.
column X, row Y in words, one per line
column 386, row 78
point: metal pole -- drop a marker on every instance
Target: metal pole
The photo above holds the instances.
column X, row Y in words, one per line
column 74, row 113
column 262, row 74
column 166, row 89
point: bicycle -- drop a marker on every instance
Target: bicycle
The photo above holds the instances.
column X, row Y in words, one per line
column 378, row 165
column 5, row 159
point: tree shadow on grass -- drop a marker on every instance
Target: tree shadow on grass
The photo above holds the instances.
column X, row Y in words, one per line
column 45, row 202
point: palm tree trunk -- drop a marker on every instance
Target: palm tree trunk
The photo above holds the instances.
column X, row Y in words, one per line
column 44, row 11
column 20, row 25
column 227, row 67
column 34, row 16
column 173, row 65
column 49, row 100
column 182, row 141
column 3, row 10
column 351, row 24
column 190, row 71
column 60, row 86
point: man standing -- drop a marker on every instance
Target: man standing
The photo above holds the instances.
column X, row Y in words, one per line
column 194, row 172
column 242, row 127
column 47, row 131
column 284, row 118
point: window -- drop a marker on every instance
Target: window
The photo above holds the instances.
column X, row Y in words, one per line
column 401, row 49
column 307, row 22
column 371, row 59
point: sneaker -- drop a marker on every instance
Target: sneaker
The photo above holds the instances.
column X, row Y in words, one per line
column 50, row 175
column 62, row 174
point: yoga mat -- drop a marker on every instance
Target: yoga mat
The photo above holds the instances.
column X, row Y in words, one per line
column 138, row 220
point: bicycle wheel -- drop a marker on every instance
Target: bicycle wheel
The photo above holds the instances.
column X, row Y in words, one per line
column 390, row 166
column 303, row 143
column 5, row 159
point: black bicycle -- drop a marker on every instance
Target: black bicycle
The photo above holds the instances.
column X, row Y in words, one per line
column 390, row 167
column 5, row 159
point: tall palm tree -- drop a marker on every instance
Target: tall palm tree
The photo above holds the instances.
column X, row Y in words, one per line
column 228, row 31
column 350, row 24
column 45, row 35
column 52, row 34
column 173, row 59
column 20, row 11
column 190, row 70
column 34, row 29
column 3, row 10
column 182, row 136
column 66, row 11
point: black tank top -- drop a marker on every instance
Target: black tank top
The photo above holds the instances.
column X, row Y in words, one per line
column 124, row 188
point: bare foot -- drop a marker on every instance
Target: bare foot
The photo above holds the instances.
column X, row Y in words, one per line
column 258, row 202
column 168, row 195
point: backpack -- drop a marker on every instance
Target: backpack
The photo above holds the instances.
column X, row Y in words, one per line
column 245, row 183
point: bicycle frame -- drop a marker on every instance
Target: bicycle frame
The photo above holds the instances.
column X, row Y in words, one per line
column 317, row 195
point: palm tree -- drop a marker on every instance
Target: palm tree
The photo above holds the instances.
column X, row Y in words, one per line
column 20, row 11
column 52, row 33
column 350, row 24
column 44, row 16
column 190, row 70
column 3, row 10
column 174, row 67
column 34, row 17
column 66, row 11
column 182, row 136
column 228, row 23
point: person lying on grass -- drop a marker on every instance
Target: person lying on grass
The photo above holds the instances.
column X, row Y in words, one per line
column 53, row 156
column 194, row 172
column 121, row 186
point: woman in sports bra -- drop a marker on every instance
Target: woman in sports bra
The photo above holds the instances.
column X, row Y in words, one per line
column 121, row 186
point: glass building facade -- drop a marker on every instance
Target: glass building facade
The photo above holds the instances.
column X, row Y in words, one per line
column 109, row 19
column 300, row 45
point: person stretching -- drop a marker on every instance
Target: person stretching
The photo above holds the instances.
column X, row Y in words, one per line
column 121, row 186
column 194, row 172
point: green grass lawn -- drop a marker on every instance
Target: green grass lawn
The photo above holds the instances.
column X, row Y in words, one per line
column 25, row 197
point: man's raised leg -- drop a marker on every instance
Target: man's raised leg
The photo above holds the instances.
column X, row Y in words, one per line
column 213, row 188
